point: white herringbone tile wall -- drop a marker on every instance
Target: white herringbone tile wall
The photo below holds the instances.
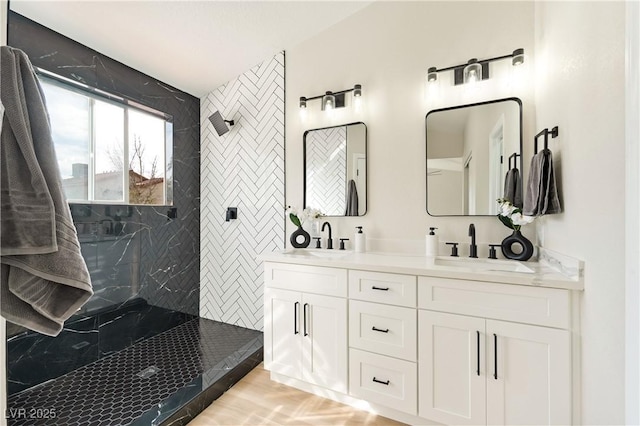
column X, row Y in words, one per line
column 243, row 168
column 326, row 169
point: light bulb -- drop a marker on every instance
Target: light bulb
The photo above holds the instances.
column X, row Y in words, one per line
column 432, row 75
column 328, row 101
column 517, row 57
column 472, row 77
column 357, row 103
column 472, row 73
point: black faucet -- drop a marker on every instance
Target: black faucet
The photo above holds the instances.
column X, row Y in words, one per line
column 473, row 248
column 330, row 240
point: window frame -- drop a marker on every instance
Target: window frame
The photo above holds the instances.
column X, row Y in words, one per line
column 127, row 105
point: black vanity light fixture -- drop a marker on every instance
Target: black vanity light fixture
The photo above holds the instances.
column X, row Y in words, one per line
column 475, row 69
column 332, row 100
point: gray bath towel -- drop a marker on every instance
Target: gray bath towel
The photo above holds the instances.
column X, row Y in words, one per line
column 352, row 199
column 44, row 278
column 513, row 187
column 542, row 193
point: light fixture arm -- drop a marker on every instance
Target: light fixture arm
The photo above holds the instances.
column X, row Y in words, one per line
column 339, row 95
column 333, row 93
column 481, row 61
column 517, row 58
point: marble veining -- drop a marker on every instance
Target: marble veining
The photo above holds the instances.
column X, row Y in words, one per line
column 33, row 358
column 194, row 361
column 568, row 266
column 149, row 269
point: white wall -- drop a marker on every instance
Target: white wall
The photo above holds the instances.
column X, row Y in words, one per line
column 632, row 205
column 580, row 88
column 387, row 47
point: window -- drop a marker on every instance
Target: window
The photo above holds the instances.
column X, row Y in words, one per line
column 98, row 137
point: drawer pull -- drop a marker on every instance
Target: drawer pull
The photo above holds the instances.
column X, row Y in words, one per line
column 478, row 351
column 379, row 329
column 495, row 356
column 381, row 382
column 380, row 288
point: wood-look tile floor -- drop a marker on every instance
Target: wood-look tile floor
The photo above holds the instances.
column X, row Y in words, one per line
column 256, row 400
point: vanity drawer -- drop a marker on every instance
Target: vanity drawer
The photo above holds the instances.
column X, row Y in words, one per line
column 308, row 279
column 383, row 329
column 383, row 380
column 533, row 305
column 392, row 289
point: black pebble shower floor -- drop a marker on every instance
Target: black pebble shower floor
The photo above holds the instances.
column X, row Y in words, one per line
column 181, row 364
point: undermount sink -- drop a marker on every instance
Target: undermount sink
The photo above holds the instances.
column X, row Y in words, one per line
column 482, row 264
column 321, row 253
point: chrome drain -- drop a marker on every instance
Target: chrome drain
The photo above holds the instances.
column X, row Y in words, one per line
column 148, row 372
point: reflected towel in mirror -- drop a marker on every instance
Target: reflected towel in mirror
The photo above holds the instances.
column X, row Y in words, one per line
column 352, row 199
column 513, row 187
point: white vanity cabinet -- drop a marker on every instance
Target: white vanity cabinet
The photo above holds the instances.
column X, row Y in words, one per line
column 305, row 327
column 476, row 370
column 420, row 344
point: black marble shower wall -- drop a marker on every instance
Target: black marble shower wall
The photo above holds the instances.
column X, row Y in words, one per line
column 145, row 279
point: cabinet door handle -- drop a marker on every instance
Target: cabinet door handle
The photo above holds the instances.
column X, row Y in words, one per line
column 295, row 317
column 495, row 356
column 379, row 329
column 478, row 351
column 380, row 288
column 304, row 311
column 381, row 382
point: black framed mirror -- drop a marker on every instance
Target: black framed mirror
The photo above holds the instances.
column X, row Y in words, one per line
column 470, row 149
column 335, row 169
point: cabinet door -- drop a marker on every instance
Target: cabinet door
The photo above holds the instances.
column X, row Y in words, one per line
column 324, row 334
column 452, row 373
column 530, row 381
column 282, row 331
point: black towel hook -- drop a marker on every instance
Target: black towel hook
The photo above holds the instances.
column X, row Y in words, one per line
column 546, row 132
column 515, row 160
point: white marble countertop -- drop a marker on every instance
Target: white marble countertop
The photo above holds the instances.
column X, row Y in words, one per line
column 546, row 273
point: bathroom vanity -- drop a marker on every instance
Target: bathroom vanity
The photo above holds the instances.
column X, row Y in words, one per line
column 426, row 340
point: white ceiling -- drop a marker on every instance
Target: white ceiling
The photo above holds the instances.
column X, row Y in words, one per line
column 195, row 46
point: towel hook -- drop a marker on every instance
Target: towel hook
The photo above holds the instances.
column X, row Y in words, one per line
column 546, row 132
column 515, row 160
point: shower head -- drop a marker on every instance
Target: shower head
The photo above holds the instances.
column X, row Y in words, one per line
column 219, row 123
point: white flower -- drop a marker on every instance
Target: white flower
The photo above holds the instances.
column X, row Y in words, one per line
column 507, row 209
column 313, row 213
column 520, row 219
column 511, row 216
column 299, row 217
